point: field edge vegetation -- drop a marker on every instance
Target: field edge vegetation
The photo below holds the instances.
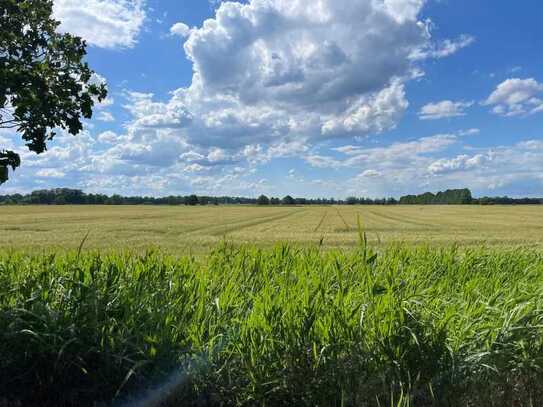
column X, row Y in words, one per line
column 402, row 326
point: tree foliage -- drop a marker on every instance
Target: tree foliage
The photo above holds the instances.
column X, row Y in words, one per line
column 44, row 83
column 263, row 200
column 448, row 197
column 192, row 200
column 7, row 159
column 288, row 200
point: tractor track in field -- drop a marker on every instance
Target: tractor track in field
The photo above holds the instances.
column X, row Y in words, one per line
column 286, row 216
column 347, row 227
column 403, row 220
column 321, row 221
column 241, row 225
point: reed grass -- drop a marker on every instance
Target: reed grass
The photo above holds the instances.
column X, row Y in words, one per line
column 405, row 326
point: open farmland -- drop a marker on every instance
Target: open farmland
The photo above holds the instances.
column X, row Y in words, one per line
column 198, row 229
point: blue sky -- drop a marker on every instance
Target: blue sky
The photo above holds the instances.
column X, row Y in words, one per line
column 309, row 98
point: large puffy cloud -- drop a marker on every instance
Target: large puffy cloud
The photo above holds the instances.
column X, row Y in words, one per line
column 102, row 23
column 516, row 96
column 272, row 71
column 305, row 53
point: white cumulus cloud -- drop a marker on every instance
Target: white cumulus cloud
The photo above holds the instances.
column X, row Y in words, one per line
column 50, row 173
column 267, row 72
column 180, row 29
column 443, row 109
column 104, row 116
column 443, row 48
column 374, row 114
column 102, row 23
column 514, row 97
column 459, row 163
column 108, row 137
column 469, row 132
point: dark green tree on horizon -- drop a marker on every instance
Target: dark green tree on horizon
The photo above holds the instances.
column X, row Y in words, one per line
column 44, row 82
column 288, row 200
column 192, row 200
column 448, row 197
column 263, row 200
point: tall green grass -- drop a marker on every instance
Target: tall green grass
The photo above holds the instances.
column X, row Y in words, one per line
column 282, row 326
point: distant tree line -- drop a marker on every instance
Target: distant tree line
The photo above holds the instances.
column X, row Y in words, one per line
column 448, row 197
column 464, row 197
column 505, row 200
column 67, row 196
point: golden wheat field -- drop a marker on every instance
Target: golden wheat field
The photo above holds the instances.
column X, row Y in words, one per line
column 198, row 229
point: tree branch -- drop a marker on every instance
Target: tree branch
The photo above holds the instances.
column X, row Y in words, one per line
column 6, row 125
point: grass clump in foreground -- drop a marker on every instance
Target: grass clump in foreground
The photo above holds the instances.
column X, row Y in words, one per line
column 406, row 326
